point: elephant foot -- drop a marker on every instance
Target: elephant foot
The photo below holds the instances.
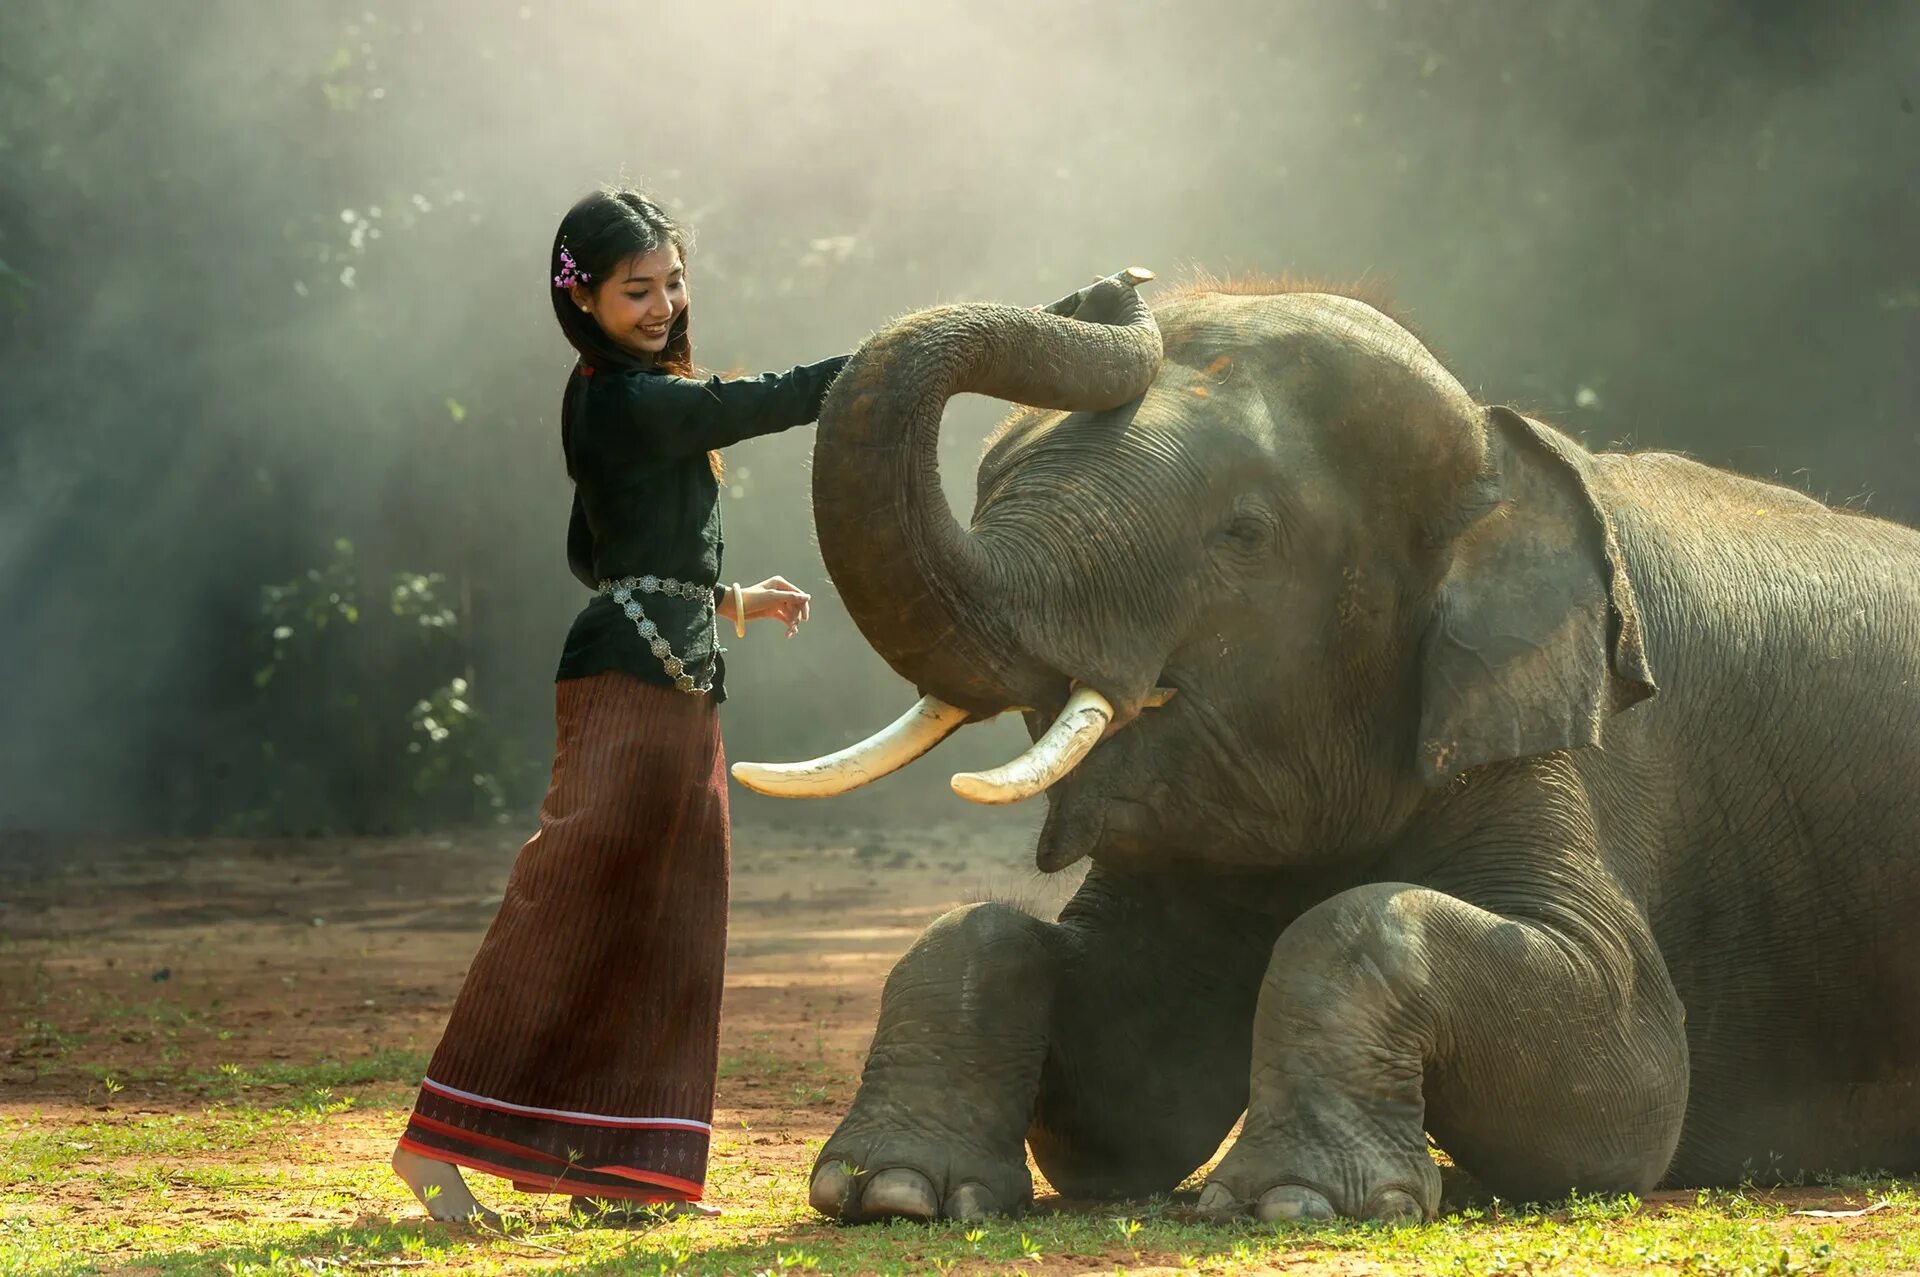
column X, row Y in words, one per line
column 1298, row 1204
column 898, row 1193
column 859, row 1180
column 1277, row 1176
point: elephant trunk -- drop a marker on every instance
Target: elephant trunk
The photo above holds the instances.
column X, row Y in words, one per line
column 929, row 596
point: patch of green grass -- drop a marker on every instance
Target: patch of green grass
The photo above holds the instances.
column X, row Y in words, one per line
column 756, row 1063
column 272, row 1193
column 161, row 1012
column 765, row 1064
column 43, row 1036
column 394, row 1064
column 313, row 1081
column 246, row 1250
column 50, row 1151
column 1534, row 1243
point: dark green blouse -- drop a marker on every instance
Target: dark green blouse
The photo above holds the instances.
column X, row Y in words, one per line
column 646, row 503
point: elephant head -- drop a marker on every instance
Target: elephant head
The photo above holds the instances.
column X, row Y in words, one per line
column 1270, row 517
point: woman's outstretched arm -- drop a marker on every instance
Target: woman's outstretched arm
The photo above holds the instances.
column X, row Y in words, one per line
column 682, row 416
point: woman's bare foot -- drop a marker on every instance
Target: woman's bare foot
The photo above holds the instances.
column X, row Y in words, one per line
column 440, row 1188
column 601, row 1212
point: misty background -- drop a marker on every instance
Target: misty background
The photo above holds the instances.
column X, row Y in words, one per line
column 282, row 513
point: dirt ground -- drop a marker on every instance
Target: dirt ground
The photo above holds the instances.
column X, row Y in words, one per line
column 299, row 949
column 175, row 958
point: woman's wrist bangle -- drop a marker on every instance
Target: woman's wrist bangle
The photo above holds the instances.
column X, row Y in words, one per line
column 739, row 612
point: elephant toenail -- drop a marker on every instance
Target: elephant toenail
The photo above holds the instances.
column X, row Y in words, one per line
column 831, row 1186
column 970, row 1202
column 1294, row 1203
column 1217, row 1201
column 899, row 1192
column 1395, row 1207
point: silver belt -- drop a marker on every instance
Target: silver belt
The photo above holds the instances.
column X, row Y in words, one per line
column 623, row 591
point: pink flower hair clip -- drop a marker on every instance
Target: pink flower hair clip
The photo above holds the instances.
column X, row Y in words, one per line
column 570, row 274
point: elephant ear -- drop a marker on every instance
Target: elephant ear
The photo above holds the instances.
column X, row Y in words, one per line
column 1535, row 636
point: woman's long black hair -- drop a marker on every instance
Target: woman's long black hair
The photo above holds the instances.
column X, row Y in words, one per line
column 598, row 233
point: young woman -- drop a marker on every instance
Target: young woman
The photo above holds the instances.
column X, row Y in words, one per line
column 580, row 1054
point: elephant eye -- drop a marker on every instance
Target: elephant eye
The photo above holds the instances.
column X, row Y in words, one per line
column 1248, row 533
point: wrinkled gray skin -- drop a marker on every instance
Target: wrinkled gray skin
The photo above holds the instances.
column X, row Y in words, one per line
column 1562, row 805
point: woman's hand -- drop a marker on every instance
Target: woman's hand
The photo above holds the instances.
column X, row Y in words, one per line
column 775, row 598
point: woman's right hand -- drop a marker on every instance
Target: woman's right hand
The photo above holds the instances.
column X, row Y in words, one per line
column 775, row 598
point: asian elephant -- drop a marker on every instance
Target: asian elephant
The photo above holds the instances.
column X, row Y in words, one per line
column 1437, row 774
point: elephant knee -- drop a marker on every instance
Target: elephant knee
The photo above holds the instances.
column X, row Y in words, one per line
column 987, row 934
column 987, row 965
column 1353, row 958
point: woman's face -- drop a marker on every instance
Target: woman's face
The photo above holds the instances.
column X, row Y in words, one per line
column 639, row 300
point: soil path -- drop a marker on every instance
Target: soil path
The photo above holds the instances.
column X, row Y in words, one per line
column 156, row 963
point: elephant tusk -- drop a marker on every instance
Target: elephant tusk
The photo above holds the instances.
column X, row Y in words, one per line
column 1077, row 730
column 915, row 732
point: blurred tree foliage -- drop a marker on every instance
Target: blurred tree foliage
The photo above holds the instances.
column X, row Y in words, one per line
column 349, row 742
column 232, row 364
column 271, row 277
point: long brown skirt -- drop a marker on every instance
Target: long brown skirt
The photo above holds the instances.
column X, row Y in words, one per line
column 581, row 1052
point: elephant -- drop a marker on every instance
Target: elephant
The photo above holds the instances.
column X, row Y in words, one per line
column 1441, row 778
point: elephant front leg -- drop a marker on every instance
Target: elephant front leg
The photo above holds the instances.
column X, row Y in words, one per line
column 1544, row 1056
column 938, row 1128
